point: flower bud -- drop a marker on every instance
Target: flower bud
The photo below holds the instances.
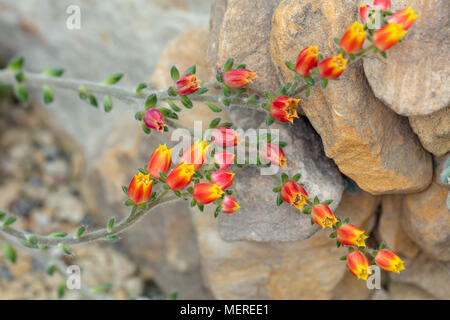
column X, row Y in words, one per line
column 224, row 159
column 388, row 35
column 222, row 178
column 140, row 188
column 229, row 205
column 283, row 109
column 160, row 161
column 195, row 154
column 180, row 176
column 225, row 137
column 274, row 154
column 307, row 60
column 389, row 261
column 350, row 235
column 238, row 78
column 322, row 215
column 187, row 84
column 364, row 13
column 294, row 194
column 405, row 17
column 382, row 5
column 332, row 67
column 154, row 119
column 353, row 39
column 205, row 193
column 358, row 264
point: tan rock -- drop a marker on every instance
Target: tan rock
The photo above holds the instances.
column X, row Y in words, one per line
column 433, row 131
column 351, row 288
column 369, row 143
column 390, row 228
column 413, row 80
column 404, row 291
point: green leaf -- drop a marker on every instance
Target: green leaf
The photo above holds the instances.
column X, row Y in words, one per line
column 343, row 258
column 16, row 64
column 307, row 210
column 186, row 102
column 113, row 79
column 213, row 107
column 9, row 221
column 53, row 72
column 217, row 211
column 324, row 82
column 80, row 232
column 173, row 106
column 111, row 224
column 174, row 73
column 269, row 95
column 284, row 178
column 172, row 91
column 57, row 235
column 192, row 70
column 48, row 94
column 103, row 288
column 383, row 54
column 151, row 101
column 381, row 245
column 173, row 296
column 316, row 200
column 141, row 86
column 2, row 215
column 65, row 249
column 139, row 115
column 20, row 76
column 279, row 200
column 328, row 202
column 107, row 103
column 241, row 66
column 352, row 56
column 93, row 100
column 82, row 93
column 219, row 76
column 51, row 270
column 112, row 238
column 308, row 92
column 296, row 177
column 61, row 290
column 226, row 90
column 333, row 235
column 201, row 91
column 336, row 40
column 200, row 207
column 309, row 80
column 20, row 93
column 269, row 120
column 228, row 65
column 282, row 144
column 315, row 71
column 225, row 101
column 213, row 124
column 9, row 252
column 290, row 65
column 284, row 89
column 277, row 189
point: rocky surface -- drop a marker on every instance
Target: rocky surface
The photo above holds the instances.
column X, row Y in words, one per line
column 413, row 79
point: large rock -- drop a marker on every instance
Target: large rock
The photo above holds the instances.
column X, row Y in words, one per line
column 369, row 143
column 405, row 291
column 413, row 79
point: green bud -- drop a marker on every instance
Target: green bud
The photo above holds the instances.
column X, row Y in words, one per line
column 9, row 252
column 228, row 65
column 16, row 64
column 107, row 103
column 113, row 79
column 54, row 72
column 110, row 226
column 213, row 107
column 20, row 93
column 48, row 94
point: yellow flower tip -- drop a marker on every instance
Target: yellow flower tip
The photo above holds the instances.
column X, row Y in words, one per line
column 314, row 50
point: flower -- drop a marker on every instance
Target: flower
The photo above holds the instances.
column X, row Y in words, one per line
column 140, row 188
column 195, row 154
column 332, row 67
column 389, row 261
column 358, row 264
column 388, row 36
column 180, row 176
column 350, row 235
column 160, row 161
column 382, row 5
column 205, row 193
column 283, row 109
column 154, row 119
column 294, row 194
column 224, row 159
column 225, row 137
column 238, row 78
column 274, row 154
column 187, row 84
column 353, row 39
column 229, row 205
column 364, row 13
column 322, row 215
column 405, row 17
column 307, row 60
column 222, row 178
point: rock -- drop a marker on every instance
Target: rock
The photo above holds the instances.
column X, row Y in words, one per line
column 381, row 159
column 426, row 219
column 66, row 206
column 433, row 131
column 380, row 295
column 351, row 288
column 413, row 79
column 404, row 291
column 390, row 228
column 259, row 218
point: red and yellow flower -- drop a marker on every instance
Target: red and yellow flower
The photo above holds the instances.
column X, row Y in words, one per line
column 322, row 215
column 225, row 137
column 187, row 84
column 350, row 235
column 238, row 78
column 229, row 205
column 332, row 67
column 405, row 17
column 307, row 60
column 140, row 188
column 294, row 194
column 358, row 264
column 222, row 178
column 389, row 261
column 205, row 193
column 382, row 5
column 274, row 154
column 180, row 176
column 154, row 119
column 160, row 161
column 353, row 39
column 364, row 13
column 388, row 35
column 224, row 159
column 195, row 154
column 283, row 109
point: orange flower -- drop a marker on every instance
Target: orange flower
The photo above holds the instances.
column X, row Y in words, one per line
column 140, row 188
column 195, row 154
column 389, row 261
column 154, row 119
column 350, row 235
column 353, row 39
column 405, row 17
column 160, row 161
column 382, row 5
column 294, row 194
column 322, row 215
column 224, row 159
column 364, row 13
column 225, row 137
column 229, row 205
column 388, row 35
column 358, row 264
column 222, row 178
column 283, row 109
column 307, row 60
column 238, row 78
column 206, row 193
column 332, row 67
column 274, row 154
column 187, row 84
column 180, row 176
